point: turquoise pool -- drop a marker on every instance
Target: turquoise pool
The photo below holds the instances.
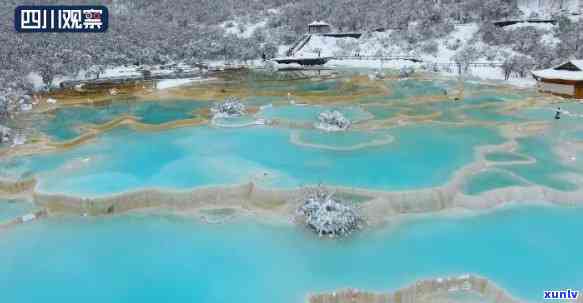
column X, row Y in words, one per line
column 153, row 258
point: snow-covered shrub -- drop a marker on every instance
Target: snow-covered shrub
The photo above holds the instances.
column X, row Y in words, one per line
column 332, row 120
column 346, row 47
column 490, row 53
column 453, row 44
column 326, row 214
column 465, row 56
column 518, row 65
column 526, row 39
column 430, row 47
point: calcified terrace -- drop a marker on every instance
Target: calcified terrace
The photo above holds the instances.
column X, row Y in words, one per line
column 217, row 203
column 378, row 205
column 460, row 289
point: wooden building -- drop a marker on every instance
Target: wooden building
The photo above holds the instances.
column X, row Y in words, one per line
column 319, row 27
column 563, row 80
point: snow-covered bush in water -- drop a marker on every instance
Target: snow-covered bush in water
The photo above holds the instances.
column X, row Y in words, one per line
column 231, row 107
column 332, row 120
column 327, row 215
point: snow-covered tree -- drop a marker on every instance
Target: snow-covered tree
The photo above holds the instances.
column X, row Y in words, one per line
column 571, row 35
column 464, row 57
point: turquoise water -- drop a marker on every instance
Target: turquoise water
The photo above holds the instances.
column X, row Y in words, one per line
column 489, row 180
column 547, row 113
column 344, row 140
column 147, row 258
column 159, row 258
column 10, row 209
column 64, row 123
column 548, row 170
column 316, row 86
column 411, row 88
column 489, row 114
column 505, row 157
column 382, row 112
column 483, row 99
column 307, row 113
column 123, row 160
column 235, row 121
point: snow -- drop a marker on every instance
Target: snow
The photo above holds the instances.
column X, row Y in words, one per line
column 120, row 71
column 327, row 46
column 559, row 74
column 26, row 107
column 547, row 28
column 578, row 63
column 18, row 139
column 548, row 8
column 377, row 43
column 236, row 26
column 28, row 217
column 540, row 26
column 394, row 64
column 319, row 23
column 169, row 83
column 462, row 33
column 36, row 80
column 494, row 75
column 553, row 73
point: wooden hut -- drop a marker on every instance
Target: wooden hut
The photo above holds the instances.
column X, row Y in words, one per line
column 319, row 27
column 563, row 80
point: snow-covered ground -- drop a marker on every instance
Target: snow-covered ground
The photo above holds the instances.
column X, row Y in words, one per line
column 240, row 29
column 370, row 44
column 170, row 83
column 546, row 8
column 384, row 44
